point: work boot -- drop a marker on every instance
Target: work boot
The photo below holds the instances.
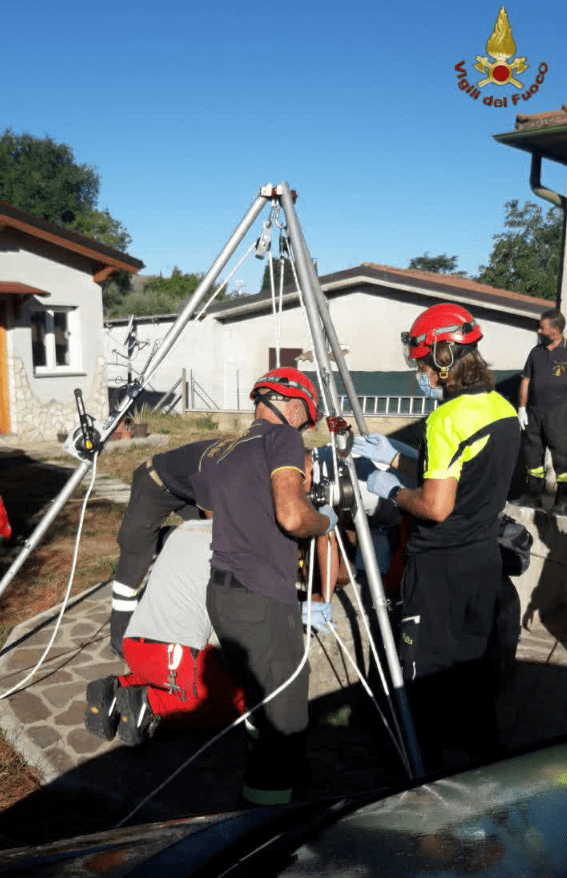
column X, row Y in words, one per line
column 138, row 722
column 533, row 494
column 560, row 504
column 101, row 714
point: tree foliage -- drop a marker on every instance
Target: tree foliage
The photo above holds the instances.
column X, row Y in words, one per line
column 42, row 177
column 526, row 257
column 289, row 279
column 158, row 295
column 441, row 264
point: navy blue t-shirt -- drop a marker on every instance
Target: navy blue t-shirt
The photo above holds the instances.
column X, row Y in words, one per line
column 547, row 374
column 247, row 540
column 177, row 469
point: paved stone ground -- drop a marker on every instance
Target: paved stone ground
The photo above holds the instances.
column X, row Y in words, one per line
column 90, row 784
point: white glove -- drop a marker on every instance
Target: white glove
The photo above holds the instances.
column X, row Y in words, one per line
column 331, row 515
column 382, row 483
column 523, row 417
column 380, row 449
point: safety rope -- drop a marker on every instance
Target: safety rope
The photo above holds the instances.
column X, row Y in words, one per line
column 34, row 670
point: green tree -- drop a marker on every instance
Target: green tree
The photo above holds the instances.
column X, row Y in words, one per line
column 98, row 224
column 43, row 178
column 159, row 295
column 289, row 279
column 441, row 264
column 526, row 257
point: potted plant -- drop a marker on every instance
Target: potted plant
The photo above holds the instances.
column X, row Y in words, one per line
column 124, row 429
column 140, row 422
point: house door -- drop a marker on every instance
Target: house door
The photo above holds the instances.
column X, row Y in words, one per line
column 4, row 393
column 288, row 357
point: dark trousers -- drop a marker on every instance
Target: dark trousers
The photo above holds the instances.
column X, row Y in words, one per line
column 262, row 640
column 449, row 600
column 148, row 507
column 546, row 428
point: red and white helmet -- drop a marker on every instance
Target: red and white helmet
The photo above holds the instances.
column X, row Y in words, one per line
column 445, row 322
column 289, row 382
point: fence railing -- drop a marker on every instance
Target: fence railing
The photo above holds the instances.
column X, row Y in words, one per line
column 391, row 406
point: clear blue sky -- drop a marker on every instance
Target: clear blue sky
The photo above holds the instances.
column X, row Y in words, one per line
column 187, row 108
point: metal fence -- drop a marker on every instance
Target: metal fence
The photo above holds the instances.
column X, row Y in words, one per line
column 391, row 406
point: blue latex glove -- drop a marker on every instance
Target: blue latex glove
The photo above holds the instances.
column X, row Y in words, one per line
column 331, row 515
column 321, row 615
column 381, row 483
column 380, row 449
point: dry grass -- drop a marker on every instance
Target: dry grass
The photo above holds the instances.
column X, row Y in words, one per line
column 17, row 778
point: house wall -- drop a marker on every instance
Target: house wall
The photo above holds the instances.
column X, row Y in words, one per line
column 226, row 357
column 40, row 405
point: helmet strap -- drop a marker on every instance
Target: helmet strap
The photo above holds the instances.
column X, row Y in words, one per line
column 266, row 399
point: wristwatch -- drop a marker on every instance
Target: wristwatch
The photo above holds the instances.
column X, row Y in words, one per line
column 393, row 495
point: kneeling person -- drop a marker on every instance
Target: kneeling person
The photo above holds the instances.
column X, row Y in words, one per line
column 173, row 672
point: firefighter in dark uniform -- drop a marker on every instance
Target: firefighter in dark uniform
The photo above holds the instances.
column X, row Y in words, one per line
column 454, row 566
column 260, row 508
column 542, row 411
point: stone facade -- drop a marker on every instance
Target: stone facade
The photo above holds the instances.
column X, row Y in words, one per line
column 37, row 420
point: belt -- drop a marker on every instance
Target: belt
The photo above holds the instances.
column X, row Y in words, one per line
column 147, row 640
column 151, row 470
column 225, row 577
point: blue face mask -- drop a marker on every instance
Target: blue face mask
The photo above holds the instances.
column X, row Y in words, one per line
column 426, row 388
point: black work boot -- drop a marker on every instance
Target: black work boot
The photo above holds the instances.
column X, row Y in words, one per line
column 534, row 491
column 560, row 505
column 138, row 722
column 101, row 714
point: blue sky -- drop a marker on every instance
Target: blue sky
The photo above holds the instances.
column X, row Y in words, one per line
column 186, row 109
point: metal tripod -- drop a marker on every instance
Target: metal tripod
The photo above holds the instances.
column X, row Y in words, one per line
column 322, row 331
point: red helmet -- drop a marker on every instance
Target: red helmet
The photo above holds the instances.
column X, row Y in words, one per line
column 445, row 322
column 289, row 382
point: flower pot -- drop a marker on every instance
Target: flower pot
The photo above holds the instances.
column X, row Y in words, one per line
column 139, row 431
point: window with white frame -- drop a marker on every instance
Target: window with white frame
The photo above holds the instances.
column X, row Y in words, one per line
column 55, row 338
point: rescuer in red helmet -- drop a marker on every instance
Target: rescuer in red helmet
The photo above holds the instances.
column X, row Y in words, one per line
column 454, row 567
column 260, row 509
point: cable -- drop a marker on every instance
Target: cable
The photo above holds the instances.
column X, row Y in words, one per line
column 245, row 716
column 67, row 593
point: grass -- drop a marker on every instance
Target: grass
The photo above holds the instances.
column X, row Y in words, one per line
column 17, row 778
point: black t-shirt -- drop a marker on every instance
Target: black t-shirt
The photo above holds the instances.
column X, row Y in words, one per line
column 176, row 467
column 474, row 438
column 247, row 540
column 547, row 374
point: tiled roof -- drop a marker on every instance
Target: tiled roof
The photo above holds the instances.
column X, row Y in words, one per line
column 452, row 281
column 542, row 120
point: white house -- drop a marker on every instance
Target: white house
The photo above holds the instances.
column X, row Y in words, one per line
column 370, row 305
column 51, row 324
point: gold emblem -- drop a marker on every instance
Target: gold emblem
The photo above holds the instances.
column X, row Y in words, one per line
column 501, row 47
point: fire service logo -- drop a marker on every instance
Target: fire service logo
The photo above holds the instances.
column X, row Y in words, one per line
column 500, row 68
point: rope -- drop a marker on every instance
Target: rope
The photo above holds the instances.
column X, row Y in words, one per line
column 374, row 651
column 34, row 670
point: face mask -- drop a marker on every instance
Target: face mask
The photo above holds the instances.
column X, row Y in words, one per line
column 426, row 388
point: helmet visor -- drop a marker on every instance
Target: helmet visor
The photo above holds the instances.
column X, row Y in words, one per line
column 408, row 344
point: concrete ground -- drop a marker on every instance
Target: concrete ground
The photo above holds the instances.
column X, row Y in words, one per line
column 89, row 784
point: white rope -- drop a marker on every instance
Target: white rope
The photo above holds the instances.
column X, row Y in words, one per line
column 398, row 746
column 199, row 313
column 245, row 716
column 34, row 670
column 372, row 645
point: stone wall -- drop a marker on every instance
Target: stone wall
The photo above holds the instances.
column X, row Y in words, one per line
column 34, row 420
